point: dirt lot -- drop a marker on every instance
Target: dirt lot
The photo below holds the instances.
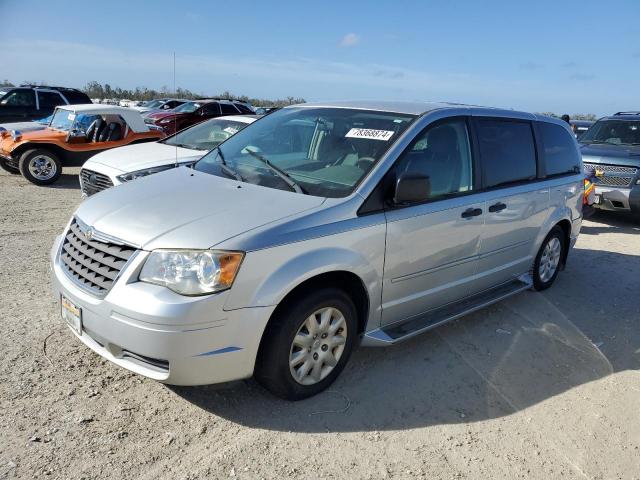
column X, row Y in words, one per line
column 539, row 386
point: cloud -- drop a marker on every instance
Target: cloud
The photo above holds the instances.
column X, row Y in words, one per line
column 531, row 66
column 350, row 40
column 582, row 77
column 569, row 64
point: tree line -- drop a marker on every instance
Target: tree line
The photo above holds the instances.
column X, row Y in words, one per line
column 97, row 90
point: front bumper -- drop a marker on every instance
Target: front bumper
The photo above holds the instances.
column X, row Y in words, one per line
column 162, row 335
column 619, row 199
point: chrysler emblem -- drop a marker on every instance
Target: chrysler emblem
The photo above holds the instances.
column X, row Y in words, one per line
column 89, row 233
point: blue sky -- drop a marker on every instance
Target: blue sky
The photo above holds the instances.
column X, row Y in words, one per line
column 560, row 56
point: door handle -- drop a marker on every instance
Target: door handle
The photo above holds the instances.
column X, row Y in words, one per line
column 471, row 212
column 497, row 207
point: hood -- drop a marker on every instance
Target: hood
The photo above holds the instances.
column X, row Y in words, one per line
column 24, row 126
column 164, row 114
column 183, row 208
column 143, row 155
column 626, row 155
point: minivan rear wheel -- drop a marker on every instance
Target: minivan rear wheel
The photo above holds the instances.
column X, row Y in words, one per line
column 307, row 344
column 548, row 260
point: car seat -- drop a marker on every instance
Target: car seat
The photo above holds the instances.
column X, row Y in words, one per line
column 94, row 130
column 111, row 133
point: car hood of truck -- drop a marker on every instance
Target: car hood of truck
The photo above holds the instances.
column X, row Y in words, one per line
column 625, row 155
column 183, row 208
column 162, row 114
column 144, row 155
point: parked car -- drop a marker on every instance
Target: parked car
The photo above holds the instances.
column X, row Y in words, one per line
column 29, row 102
column 611, row 152
column 194, row 112
column 159, row 105
column 580, row 126
column 75, row 133
column 317, row 228
column 124, row 164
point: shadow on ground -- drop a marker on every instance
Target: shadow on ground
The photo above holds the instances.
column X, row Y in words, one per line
column 606, row 221
column 495, row 362
column 68, row 181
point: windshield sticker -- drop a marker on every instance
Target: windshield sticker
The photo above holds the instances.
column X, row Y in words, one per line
column 231, row 130
column 71, row 117
column 370, row 134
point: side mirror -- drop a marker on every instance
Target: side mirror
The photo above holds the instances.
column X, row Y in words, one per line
column 411, row 188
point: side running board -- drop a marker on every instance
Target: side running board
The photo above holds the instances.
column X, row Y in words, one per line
column 406, row 329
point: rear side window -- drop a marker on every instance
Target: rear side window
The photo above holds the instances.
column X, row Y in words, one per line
column 243, row 108
column 228, row 109
column 211, row 108
column 507, row 151
column 561, row 155
column 50, row 99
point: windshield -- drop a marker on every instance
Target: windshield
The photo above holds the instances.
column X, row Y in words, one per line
column 206, row 135
column 187, row 107
column 62, row 120
column 323, row 151
column 615, row 132
column 153, row 104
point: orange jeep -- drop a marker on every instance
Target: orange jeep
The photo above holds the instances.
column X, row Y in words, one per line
column 75, row 133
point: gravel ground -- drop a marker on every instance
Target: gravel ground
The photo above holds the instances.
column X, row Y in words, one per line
column 538, row 386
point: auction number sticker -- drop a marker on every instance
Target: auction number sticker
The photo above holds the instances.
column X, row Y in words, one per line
column 71, row 117
column 369, row 134
column 231, row 130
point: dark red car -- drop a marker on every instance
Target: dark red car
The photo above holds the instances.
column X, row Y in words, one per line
column 196, row 111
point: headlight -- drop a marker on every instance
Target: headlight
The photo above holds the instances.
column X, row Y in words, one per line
column 192, row 272
column 16, row 135
column 127, row 177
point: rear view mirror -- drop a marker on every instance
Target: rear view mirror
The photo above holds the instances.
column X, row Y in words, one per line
column 411, row 188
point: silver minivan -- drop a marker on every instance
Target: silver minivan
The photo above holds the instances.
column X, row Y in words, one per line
column 315, row 229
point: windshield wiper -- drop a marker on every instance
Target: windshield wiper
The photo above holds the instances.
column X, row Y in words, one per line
column 226, row 168
column 281, row 173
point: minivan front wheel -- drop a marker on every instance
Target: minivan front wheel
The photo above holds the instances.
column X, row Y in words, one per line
column 547, row 263
column 308, row 344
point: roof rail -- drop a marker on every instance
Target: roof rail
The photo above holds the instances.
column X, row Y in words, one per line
column 632, row 112
column 52, row 87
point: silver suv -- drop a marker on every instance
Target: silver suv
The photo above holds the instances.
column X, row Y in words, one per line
column 315, row 229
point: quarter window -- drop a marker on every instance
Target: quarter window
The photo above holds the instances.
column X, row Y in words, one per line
column 561, row 155
column 442, row 153
column 507, row 151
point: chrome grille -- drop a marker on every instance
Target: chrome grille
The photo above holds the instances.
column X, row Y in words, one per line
column 94, row 265
column 614, row 175
column 610, row 168
column 93, row 182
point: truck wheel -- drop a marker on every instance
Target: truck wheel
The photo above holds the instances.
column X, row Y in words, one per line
column 547, row 263
column 308, row 344
column 8, row 168
column 40, row 166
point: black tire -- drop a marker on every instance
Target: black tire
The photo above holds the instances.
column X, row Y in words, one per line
column 25, row 165
column 542, row 281
column 272, row 366
column 8, row 168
